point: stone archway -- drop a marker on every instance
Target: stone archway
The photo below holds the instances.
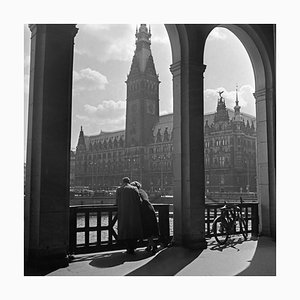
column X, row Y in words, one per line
column 46, row 206
column 254, row 41
column 187, row 43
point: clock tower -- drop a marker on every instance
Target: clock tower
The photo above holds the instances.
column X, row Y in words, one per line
column 142, row 107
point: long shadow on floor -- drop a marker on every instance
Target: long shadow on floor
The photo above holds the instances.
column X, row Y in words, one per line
column 263, row 262
column 108, row 260
column 232, row 242
column 167, row 262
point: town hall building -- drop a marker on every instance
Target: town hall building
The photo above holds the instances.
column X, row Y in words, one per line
column 144, row 150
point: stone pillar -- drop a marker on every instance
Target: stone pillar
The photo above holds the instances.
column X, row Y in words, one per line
column 263, row 182
column 177, row 189
column 48, row 146
column 271, row 127
column 189, row 172
column 193, row 171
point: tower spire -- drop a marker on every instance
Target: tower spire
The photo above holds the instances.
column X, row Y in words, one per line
column 81, row 140
column 143, row 36
column 236, row 95
column 142, row 59
column 237, row 108
column 144, row 97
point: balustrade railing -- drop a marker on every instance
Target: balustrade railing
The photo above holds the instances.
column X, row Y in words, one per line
column 93, row 228
column 249, row 212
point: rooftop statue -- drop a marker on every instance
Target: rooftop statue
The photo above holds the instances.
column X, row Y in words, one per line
column 220, row 94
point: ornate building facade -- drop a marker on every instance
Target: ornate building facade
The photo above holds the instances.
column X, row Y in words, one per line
column 230, row 150
column 144, row 150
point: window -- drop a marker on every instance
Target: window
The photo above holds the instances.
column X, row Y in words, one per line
column 222, row 179
column 221, row 161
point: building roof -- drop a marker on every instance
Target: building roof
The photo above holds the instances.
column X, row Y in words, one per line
column 246, row 117
column 165, row 121
column 105, row 136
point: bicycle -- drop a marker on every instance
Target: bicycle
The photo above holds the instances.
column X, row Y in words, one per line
column 226, row 224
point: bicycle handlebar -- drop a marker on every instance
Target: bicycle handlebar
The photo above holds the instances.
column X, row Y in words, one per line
column 230, row 206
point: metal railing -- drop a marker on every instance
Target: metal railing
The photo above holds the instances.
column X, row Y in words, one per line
column 249, row 212
column 93, row 228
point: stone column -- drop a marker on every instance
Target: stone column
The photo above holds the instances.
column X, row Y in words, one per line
column 263, row 186
column 193, row 169
column 271, row 127
column 188, row 146
column 177, row 190
column 48, row 146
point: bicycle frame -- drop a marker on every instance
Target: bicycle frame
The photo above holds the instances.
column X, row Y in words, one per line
column 224, row 225
column 229, row 216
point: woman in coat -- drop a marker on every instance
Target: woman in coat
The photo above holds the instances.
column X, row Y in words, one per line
column 129, row 217
column 149, row 221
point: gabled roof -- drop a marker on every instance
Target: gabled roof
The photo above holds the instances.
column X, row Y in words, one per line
column 105, row 136
column 165, row 121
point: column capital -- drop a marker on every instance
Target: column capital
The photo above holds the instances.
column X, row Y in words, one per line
column 195, row 66
column 62, row 28
column 175, row 68
column 261, row 94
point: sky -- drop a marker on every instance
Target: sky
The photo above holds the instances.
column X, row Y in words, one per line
column 102, row 58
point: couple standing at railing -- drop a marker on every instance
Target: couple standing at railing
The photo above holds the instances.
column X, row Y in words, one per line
column 136, row 216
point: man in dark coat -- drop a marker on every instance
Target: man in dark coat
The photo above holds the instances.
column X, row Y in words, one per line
column 129, row 217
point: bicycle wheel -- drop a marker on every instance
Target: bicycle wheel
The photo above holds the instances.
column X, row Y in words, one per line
column 243, row 228
column 219, row 230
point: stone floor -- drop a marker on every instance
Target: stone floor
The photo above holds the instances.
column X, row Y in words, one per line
column 255, row 257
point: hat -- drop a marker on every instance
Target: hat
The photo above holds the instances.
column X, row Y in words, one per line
column 126, row 180
column 137, row 184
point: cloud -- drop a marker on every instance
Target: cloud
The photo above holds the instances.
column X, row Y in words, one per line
column 95, row 27
column 218, row 34
column 159, row 35
column 107, row 110
column 89, row 80
column 83, row 118
column 245, row 97
column 106, row 42
column 107, row 116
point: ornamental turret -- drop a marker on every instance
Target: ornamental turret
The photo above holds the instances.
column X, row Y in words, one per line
column 81, row 141
column 222, row 114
